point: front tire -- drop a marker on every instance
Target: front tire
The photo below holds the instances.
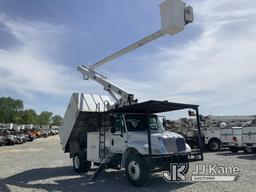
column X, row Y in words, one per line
column 248, row 150
column 214, row 145
column 80, row 164
column 233, row 149
column 137, row 170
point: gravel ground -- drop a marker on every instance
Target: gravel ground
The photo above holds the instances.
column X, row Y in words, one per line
column 42, row 166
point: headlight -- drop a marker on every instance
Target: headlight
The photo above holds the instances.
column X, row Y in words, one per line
column 162, row 146
column 188, row 149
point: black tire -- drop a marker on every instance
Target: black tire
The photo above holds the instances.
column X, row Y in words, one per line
column 136, row 164
column 80, row 164
column 214, row 145
column 9, row 142
column 234, row 149
column 248, row 150
column 187, row 162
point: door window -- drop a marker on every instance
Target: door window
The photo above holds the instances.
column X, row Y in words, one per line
column 119, row 124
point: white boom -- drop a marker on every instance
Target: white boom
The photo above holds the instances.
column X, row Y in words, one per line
column 174, row 16
column 125, row 97
column 131, row 47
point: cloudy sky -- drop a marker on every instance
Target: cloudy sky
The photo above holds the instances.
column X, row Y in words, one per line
column 212, row 63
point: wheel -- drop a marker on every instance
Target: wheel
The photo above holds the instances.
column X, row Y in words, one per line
column 186, row 161
column 233, row 149
column 248, row 150
column 9, row 142
column 214, row 145
column 137, row 170
column 80, row 164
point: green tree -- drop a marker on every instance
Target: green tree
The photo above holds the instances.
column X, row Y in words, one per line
column 45, row 118
column 56, row 120
column 30, row 117
column 11, row 110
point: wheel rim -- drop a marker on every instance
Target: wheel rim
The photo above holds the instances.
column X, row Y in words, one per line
column 76, row 162
column 215, row 146
column 134, row 170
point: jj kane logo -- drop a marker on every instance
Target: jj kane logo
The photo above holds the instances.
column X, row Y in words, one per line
column 177, row 172
column 202, row 172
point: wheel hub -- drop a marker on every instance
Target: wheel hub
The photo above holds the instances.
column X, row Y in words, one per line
column 134, row 170
column 76, row 162
column 214, row 146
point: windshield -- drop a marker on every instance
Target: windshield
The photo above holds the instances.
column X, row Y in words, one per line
column 139, row 123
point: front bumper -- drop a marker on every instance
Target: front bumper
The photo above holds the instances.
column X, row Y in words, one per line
column 162, row 162
column 194, row 155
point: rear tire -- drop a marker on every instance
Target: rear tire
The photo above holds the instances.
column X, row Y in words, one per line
column 137, row 170
column 214, row 145
column 9, row 142
column 80, row 164
column 248, row 150
column 233, row 149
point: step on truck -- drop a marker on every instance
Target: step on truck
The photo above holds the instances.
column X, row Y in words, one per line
column 124, row 133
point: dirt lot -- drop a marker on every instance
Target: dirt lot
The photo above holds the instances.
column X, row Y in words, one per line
column 42, row 166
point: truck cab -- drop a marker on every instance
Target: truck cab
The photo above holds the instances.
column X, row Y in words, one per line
column 130, row 131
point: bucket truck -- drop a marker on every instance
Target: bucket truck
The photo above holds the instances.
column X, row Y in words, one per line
column 124, row 133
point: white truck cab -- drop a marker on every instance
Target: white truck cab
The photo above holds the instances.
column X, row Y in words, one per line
column 130, row 131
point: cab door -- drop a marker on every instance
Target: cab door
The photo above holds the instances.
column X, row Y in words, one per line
column 118, row 134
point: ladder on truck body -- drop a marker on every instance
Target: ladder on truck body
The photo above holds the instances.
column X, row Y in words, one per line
column 103, row 123
column 102, row 132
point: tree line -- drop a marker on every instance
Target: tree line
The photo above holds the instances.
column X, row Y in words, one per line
column 12, row 111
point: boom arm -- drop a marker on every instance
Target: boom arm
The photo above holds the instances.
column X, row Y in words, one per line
column 174, row 16
column 125, row 97
column 131, row 47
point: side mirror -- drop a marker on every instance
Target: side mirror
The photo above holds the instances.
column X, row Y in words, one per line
column 113, row 130
column 164, row 122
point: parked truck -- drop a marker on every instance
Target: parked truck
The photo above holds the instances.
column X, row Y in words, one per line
column 249, row 135
column 130, row 137
column 231, row 137
column 124, row 133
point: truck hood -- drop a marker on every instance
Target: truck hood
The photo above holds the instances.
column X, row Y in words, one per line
column 166, row 135
column 161, row 142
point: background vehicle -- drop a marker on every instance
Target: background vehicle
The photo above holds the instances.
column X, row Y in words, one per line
column 2, row 140
column 249, row 136
column 11, row 140
column 232, row 138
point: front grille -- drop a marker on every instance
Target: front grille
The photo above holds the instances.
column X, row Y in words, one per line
column 169, row 145
column 180, row 143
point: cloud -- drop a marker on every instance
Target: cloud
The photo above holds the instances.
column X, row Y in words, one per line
column 216, row 69
column 28, row 67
